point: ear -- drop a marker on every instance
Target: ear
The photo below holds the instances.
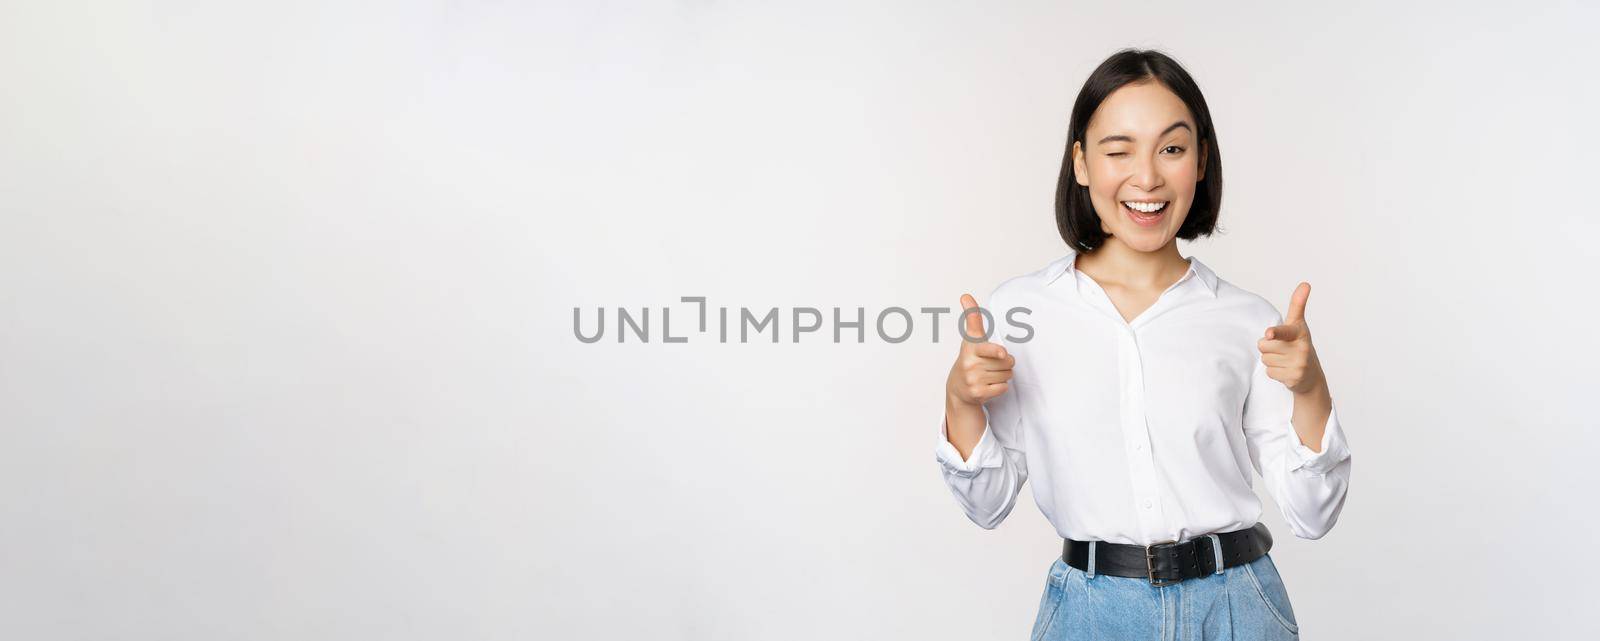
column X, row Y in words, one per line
column 1201, row 175
column 1078, row 170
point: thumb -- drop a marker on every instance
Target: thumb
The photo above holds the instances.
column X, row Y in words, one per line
column 1297, row 303
column 973, row 320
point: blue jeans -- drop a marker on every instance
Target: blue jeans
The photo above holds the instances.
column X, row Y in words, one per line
column 1244, row 602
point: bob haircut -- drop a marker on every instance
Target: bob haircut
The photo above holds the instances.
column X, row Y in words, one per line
column 1075, row 216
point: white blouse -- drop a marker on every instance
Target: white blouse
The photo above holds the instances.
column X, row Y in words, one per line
column 1146, row 431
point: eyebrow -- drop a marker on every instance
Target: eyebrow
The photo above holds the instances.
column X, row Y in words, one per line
column 1122, row 138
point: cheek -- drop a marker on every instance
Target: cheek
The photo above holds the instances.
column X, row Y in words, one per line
column 1105, row 178
column 1185, row 173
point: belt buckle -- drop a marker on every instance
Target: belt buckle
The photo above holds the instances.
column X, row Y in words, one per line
column 1150, row 568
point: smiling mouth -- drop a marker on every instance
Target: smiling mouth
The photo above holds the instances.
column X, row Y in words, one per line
column 1146, row 207
column 1145, row 213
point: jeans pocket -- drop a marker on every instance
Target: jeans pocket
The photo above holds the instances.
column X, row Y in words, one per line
column 1055, row 588
column 1263, row 574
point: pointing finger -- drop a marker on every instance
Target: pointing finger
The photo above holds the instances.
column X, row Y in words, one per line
column 1283, row 332
column 995, row 352
column 991, row 350
column 1269, row 346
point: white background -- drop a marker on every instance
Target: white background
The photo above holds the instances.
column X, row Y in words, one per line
column 286, row 296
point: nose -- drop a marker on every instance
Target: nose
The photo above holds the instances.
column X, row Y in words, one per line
column 1145, row 176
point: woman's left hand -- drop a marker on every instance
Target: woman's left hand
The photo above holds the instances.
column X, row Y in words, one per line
column 1287, row 351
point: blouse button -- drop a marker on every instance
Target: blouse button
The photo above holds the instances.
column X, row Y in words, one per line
column 1147, row 504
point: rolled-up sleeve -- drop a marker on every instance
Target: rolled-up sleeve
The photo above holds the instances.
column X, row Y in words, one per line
column 987, row 482
column 1309, row 486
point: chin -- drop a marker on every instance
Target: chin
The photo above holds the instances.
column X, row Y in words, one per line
column 1146, row 243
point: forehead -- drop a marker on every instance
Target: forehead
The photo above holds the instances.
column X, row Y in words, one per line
column 1139, row 110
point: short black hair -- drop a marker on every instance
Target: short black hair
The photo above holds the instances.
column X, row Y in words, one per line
column 1075, row 216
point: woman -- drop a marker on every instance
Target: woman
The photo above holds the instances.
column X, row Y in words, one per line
column 1148, row 390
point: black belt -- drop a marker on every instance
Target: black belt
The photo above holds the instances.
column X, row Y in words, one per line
column 1170, row 562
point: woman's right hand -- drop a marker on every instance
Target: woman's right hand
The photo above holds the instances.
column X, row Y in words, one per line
column 982, row 370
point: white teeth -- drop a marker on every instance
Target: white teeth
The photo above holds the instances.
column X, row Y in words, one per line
column 1148, row 208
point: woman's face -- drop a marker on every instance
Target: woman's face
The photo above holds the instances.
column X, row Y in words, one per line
column 1141, row 153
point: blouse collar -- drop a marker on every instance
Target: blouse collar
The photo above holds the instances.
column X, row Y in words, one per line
column 1068, row 263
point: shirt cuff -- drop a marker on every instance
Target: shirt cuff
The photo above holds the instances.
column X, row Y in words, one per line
column 984, row 454
column 1334, row 448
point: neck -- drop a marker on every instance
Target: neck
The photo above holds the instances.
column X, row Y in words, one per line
column 1115, row 263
